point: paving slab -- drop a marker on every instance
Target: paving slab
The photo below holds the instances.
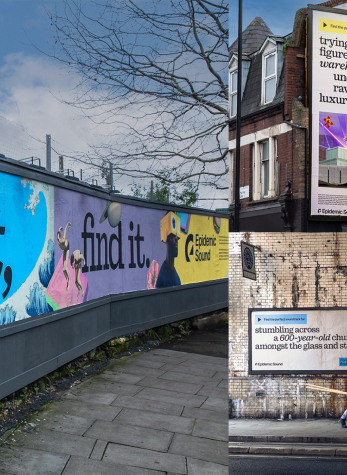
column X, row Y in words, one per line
column 96, row 396
column 182, row 425
column 171, row 385
column 171, row 397
column 220, row 375
column 215, row 404
column 99, row 411
column 23, row 461
column 134, row 436
column 201, row 467
column 189, row 369
column 134, row 457
column 205, row 359
column 81, row 466
column 221, row 393
column 146, row 363
column 199, row 448
column 122, row 377
column 202, row 365
column 204, row 414
column 54, row 442
column 187, row 378
column 143, row 371
column 223, row 384
column 210, row 430
column 129, row 420
column 67, row 423
column 99, row 383
column 208, row 341
column 165, row 352
column 99, row 449
column 147, row 405
column 174, row 360
column 159, row 352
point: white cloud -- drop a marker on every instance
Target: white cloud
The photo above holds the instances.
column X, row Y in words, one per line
column 31, row 93
column 32, row 90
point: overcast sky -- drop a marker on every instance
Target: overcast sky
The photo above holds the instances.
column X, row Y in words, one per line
column 31, row 84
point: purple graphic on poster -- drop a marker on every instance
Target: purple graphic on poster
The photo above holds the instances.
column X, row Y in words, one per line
column 101, row 248
column 332, row 130
column 332, row 150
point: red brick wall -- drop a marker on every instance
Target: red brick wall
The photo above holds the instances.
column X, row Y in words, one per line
column 294, row 73
column 300, row 117
column 257, row 122
column 286, row 156
column 254, row 124
column 291, row 154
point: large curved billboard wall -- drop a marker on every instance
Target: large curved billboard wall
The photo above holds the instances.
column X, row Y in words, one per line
column 61, row 247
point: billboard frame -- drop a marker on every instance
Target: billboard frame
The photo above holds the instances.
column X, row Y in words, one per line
column 34, row 172
column 310, row 8
column 293, row 372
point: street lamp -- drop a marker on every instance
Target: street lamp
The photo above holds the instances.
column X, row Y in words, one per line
column 238, row 122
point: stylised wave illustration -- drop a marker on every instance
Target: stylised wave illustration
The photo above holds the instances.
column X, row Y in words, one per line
column 7, row 315
column 46, row 270
column 37, row 302
column 25, row 228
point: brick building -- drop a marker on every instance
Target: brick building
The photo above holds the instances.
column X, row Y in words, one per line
column 274, row 100
column 294, row 270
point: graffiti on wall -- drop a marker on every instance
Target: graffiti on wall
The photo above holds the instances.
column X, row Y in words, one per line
column 61, row 248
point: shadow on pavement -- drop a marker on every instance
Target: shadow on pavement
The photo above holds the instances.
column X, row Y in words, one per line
column 207, row 342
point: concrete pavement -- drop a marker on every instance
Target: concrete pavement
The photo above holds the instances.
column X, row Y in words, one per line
column 159, row 412
column 316, row 437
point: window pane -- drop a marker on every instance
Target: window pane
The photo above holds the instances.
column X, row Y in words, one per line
column 265, row 154
column 265, row 177
column 234, row 82
column 233, row 105
column 270, row 65
column 270, row 89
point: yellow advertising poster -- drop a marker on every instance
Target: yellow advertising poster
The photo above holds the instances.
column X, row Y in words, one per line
column 202, row 248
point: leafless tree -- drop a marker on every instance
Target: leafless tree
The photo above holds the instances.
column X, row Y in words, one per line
column 154, row 73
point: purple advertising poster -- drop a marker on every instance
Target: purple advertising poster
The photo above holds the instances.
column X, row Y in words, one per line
column 101, row 248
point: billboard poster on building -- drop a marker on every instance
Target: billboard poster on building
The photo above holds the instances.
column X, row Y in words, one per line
column 328, row 103
column 297, row 341
column 61, row 247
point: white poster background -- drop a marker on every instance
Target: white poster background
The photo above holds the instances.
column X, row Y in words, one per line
column 326, row 201
column 282, row 340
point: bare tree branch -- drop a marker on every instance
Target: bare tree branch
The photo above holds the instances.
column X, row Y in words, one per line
column 156, row 73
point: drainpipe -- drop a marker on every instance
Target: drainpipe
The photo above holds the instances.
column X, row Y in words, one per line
column 305, row 200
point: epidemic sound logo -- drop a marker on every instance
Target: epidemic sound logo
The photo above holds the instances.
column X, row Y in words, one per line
column 190, row 238
column 331, row 211
column 201, row 241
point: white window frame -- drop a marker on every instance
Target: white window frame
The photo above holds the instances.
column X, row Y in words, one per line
column 277, row 184
column 253, row 172
column 266, row 55
column 231, row 176
column 232, row 93
column 262, row 167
